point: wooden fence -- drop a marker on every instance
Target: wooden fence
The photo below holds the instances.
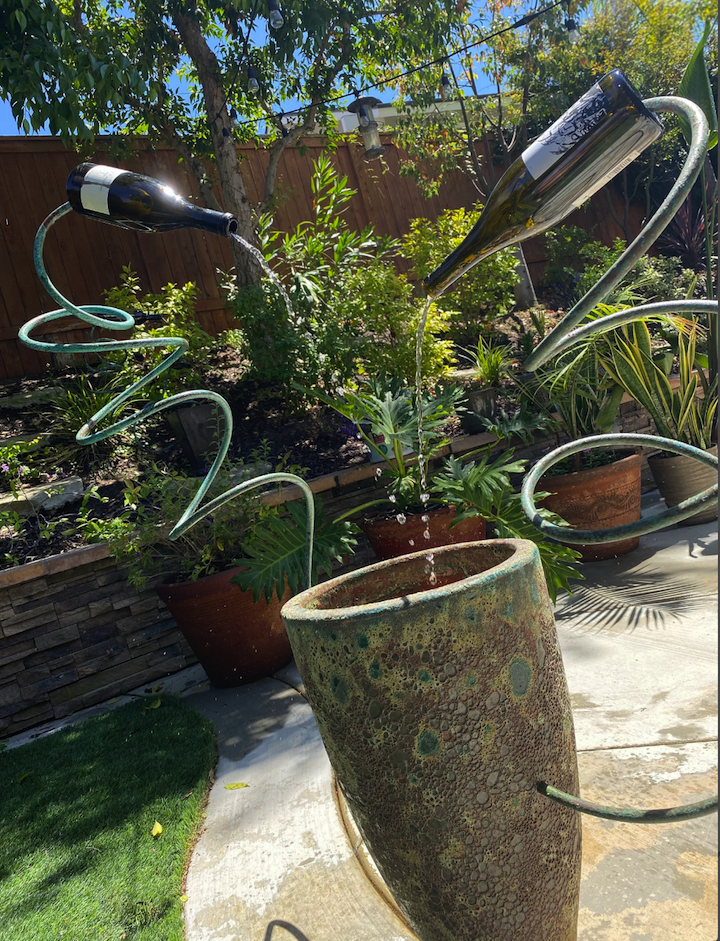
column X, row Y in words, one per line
column 85, row 259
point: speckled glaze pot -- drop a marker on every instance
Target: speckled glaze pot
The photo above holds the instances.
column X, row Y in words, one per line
column 441, row 708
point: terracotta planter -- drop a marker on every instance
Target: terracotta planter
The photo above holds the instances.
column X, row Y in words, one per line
column 390, row 539
column 441, row 709
column 235, row 639
column 598, row 499
column 678, row 478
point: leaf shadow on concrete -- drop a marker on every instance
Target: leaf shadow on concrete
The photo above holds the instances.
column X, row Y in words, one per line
column 640, row 598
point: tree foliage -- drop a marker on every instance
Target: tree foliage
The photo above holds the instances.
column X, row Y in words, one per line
column 176, row 70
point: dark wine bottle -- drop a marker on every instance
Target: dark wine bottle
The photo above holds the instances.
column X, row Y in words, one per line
column 134, row 201
column 590, row 144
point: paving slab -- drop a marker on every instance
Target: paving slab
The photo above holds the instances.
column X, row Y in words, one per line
column 280, row 859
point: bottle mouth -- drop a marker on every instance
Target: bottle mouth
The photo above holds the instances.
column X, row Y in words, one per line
column 232, row 226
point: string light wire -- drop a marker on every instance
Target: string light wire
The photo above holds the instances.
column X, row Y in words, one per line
column 523, row 21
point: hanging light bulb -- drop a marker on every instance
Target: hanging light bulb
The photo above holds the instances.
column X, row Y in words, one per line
column 445, row 86
column 252, row 81
column 233, row 117
column 275, row 17
column 573, row 31
column 362, row 107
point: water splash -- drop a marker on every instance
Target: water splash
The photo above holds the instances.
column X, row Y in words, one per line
column 401, row 518
column 424, row 495
column 260, row 259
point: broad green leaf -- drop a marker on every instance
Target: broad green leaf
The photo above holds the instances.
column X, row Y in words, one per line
column 695, row 86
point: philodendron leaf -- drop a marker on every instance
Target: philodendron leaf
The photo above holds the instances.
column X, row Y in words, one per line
column 696, row 87
column 278, row 552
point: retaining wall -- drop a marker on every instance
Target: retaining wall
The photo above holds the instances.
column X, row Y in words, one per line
column 73, row 633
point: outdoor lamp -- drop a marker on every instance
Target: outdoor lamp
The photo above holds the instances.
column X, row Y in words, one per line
column 573, row 31
column 445, row 86
column 275, row 17
column 368, row 127
column 253, row 84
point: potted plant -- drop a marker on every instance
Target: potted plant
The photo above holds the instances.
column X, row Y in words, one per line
column 489, row 365
column 593, row 489
column 412, row 520
column 225, row 579
column 684, row 413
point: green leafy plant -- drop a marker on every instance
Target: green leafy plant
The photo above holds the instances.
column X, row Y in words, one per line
column 490, row 362
column 171, row 313
column 483, row 295
column 388, row 407
column 277, row 551
column 483, row 488
column 14, row 472
column 680, row 414
column 81, row 399
column 270, row 543
column 323, row 263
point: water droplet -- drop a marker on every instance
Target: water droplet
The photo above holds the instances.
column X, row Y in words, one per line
column 401, row 518
column 426, row 534
column 425, row 518
column 378, row 472
column 424, row 497
column 392, row 498
column 430, row 557
column 433, row 578
column 411, row 542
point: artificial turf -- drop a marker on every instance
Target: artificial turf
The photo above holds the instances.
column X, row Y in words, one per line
column 77, row 810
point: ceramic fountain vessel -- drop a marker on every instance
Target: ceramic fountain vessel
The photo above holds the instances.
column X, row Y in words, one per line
column 441, row 708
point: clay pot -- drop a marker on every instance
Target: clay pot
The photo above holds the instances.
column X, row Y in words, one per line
column 390, row 539
column 679, row 477
column 236, row 639
column 441, row 709
column 598, row 498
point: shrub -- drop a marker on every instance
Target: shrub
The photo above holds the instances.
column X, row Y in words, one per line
column 173, row 310
column 479, row 297
column 323, row 339
column 576, row 261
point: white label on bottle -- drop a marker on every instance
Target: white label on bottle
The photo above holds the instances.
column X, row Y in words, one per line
column 576, row 123
column 96, row 186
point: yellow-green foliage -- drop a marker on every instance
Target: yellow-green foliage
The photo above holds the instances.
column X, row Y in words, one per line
column 380, row 309
column 483, row 294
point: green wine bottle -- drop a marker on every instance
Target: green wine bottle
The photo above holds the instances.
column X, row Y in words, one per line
column 590, row 144
column 139, row 202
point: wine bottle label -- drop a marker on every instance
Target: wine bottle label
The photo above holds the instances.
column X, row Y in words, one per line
column 576, row 123
column 96, row 186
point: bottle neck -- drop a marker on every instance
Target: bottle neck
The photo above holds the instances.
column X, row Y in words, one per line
column 468, row 253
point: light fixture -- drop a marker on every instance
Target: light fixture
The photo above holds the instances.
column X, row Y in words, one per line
column 275, row 17
column 573, row 31
column 362, row 107
column 252, row 81
column 445, row 86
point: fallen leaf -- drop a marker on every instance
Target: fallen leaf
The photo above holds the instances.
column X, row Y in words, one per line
column 147, row 706
column 156, row 830
column 111, row 701
column 24, row 777
column 183, row 898
column 189, row 794
column 157, row 687
column 236, row 786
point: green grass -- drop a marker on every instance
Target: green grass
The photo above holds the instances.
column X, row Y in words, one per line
column 77, row 858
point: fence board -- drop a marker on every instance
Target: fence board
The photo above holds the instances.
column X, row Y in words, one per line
column 86, row 259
